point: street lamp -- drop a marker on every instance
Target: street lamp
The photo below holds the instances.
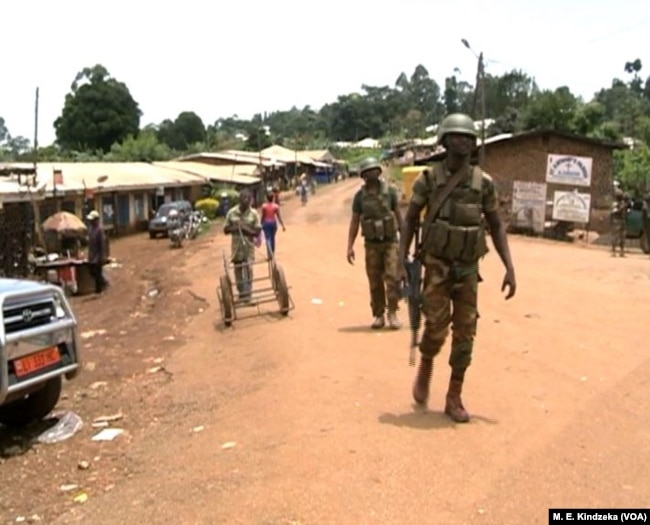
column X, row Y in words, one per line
column 480, row 80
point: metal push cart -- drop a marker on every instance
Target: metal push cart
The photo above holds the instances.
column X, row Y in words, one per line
column 274, row 288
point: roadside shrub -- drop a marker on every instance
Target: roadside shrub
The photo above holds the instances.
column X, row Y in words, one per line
column 208, row 206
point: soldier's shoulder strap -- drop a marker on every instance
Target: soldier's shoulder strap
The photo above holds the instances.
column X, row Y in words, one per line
column 439, row 196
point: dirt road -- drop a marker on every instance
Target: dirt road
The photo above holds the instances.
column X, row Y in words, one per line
column 318, row 407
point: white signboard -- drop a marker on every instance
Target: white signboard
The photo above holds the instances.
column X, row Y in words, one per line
column 567, row 169
column 529, row 205
column 571, row 206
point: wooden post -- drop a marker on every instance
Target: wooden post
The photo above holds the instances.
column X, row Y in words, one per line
column 35, row 209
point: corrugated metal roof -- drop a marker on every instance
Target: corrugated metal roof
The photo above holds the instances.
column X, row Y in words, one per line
column 322, row 155
column 11, row 191
column 113, row 176
column 287, row 156
column 235, row 157
column 281, row 153
column 236, row 173
column 496, row 138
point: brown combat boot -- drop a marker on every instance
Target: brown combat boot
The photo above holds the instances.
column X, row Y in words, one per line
column 422, row 380
column 454, row 405
column 393, row 321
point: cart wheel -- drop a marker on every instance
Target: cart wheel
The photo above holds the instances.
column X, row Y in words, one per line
column 273, row 272
column 226, row 303
column 281, row 290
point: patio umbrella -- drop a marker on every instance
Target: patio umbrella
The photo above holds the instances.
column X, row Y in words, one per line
column 64, row 222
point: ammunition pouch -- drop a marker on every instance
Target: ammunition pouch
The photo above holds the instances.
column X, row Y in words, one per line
column 383, row 229
column 450, row 242
column 465, row 214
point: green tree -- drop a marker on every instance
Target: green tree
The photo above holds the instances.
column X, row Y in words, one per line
column 552, row 110
column 185, row 130
column 143, row 148
column 97, row 113
column 4, row 132
column 632, row 168
column 258, row 139
column 457, row 96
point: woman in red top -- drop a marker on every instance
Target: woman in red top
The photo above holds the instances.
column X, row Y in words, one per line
column 270, row 218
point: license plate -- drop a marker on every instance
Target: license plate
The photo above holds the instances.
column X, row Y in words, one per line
column 31, row 363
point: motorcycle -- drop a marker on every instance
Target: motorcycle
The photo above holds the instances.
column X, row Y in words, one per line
column 176, row 234
column 193, row 223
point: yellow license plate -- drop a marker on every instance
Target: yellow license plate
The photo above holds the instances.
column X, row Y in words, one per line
column 34, row 362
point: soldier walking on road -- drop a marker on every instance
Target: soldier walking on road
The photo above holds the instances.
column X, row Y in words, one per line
column 617, row 218
column 375, row 209
column 458, row 198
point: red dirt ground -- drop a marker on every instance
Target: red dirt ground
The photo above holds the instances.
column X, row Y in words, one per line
column 318, row 406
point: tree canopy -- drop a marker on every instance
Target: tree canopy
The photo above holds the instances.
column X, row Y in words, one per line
column 101, row 120
column 98, row 112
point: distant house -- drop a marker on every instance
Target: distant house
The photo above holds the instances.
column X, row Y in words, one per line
column 296, row 162
column 122, row 192
column 525, row 157
column 230, row 157
column 369, row 143
column 236, row 176
column 268, row 169
column 320, row 155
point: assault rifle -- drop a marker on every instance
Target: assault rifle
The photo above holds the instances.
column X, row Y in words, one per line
column 413, row 269
column 413, row 294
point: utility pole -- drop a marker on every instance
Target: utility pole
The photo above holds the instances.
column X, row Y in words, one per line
column 36, row 212
column 480, row 84
column 477, row 84
column 481, row 69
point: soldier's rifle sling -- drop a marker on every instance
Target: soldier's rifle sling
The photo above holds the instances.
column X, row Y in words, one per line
column 436, row 203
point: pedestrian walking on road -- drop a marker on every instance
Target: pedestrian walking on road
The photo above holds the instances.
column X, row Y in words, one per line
column 270, row 218
column 243, row 224
column 458, row 198
column 375, row 209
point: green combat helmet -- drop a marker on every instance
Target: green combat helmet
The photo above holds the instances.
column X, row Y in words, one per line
column 368, row 164
column 456, row 123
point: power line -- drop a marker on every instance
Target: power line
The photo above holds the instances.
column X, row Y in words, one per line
column 618, row 32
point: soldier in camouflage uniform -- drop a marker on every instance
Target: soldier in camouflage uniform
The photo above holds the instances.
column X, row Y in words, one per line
column 617, row 218
column 375, row 209
column 451, row 248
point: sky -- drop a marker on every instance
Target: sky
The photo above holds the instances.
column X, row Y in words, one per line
column 223, row 58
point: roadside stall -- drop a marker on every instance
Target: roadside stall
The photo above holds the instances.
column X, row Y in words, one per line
column 65, row 264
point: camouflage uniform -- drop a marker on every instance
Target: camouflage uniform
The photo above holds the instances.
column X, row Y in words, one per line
column 451, row 277
column 380, row 247
column 451, row 247
column 618, row 216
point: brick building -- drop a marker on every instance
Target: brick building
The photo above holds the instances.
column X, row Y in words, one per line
column 524, row 157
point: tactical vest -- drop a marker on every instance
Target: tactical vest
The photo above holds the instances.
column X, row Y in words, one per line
column 458, row 233
column 377, row 219
column 618, row 212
